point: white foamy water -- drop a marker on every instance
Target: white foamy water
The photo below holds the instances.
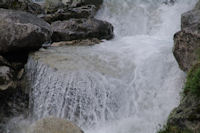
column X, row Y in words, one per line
column 126, row 85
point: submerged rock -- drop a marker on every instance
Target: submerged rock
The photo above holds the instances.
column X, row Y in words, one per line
column 53, row 125
column 74, row 29
column 22, row 31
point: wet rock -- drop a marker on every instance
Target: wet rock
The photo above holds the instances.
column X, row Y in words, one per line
column 197, row 6
column 53, row 125
column 23, row 5
column 87, row 11
column 21, row 31
column 187, row 41
column 186, row 116
column 190, row 21
column 86, row 42
column 77, row 3
column 6, row 78
column 74, row 29
column 14, row 102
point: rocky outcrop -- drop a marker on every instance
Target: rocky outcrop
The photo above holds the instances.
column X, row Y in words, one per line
column 22, row 31
column 23, row 5
column 13, row 99
column 65, row 13
column 53, row 125
column 186, row 117
column 74, row 29
column 187, row 41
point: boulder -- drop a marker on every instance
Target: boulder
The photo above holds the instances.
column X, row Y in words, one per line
column 23, row 5
column 21, row 31
column 65, row 13
column 74, row 29
column 76, row 3
column 187, row 41
column 53, row 125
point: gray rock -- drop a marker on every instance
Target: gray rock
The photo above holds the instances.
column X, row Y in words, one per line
column 6, row 78
column 74, row 29
column 23, row 5
column 65, row 13
column 22, row 31
column 76, row 3
column 53, row 125
column 187, row 41
column 190, row 21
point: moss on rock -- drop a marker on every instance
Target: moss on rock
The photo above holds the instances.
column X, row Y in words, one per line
column 193, row 81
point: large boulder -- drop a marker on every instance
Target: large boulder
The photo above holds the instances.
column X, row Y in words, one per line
column 21, row 31
column 65, row 13
column 74, row 29
column 187, row 41
column 53, row 125
column 24, row 5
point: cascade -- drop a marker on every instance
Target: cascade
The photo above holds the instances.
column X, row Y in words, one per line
column 126, row 85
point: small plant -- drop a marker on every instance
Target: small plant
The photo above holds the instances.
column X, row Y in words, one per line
column 193, row 81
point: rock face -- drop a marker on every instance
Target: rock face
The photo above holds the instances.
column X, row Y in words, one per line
column 23, row 5
column 53, row 125
column 87, row 11
column 22, row 31
column 186, row 117
column 81, row 29
column 187, row 41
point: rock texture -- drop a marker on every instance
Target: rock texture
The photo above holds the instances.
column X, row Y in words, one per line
column 75, row 3
column 186, row 117
column 22, row 31
column 53, row 125
column 23, row 5
column 66, row 13
column 81, row 29
column 187, row 41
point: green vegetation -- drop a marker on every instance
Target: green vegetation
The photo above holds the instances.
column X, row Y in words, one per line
column 193, row 81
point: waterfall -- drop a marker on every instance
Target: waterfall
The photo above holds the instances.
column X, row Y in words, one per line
column 126, row 85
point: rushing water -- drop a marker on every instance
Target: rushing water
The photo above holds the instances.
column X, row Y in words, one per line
column 126, row 85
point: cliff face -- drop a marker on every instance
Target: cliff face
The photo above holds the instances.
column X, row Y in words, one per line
column 186, row 117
